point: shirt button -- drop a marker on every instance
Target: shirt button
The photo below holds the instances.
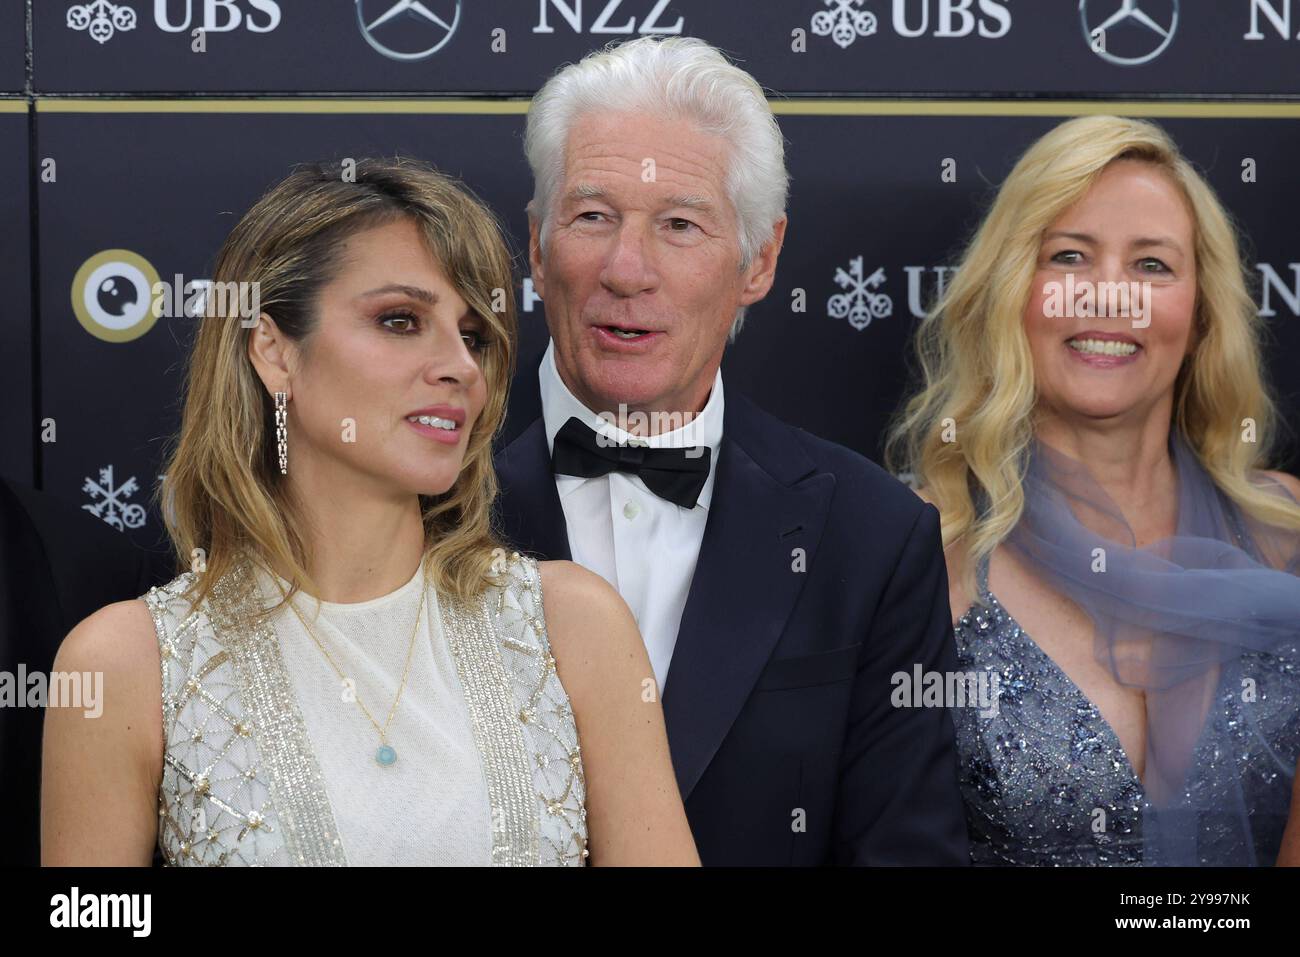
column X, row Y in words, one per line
column 631, row 510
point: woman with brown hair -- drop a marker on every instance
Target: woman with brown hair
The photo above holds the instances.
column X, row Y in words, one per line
column 352, row 670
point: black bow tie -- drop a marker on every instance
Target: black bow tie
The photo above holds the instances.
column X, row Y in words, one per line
column 677, row 475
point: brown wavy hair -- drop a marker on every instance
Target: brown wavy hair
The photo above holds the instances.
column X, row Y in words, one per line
column 223, row 499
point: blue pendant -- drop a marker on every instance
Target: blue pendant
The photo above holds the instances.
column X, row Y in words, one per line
column 385, row 755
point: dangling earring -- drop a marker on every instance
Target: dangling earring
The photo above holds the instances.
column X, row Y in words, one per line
column 281, row 430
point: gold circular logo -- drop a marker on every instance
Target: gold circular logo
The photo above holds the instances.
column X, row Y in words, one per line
column 112, row 295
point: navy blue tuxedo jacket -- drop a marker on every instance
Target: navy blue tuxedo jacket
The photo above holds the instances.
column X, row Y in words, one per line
column 777, row 701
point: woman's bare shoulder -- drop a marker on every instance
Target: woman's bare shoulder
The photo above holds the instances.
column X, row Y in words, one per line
column 634, row 809
column 119, row 642
column 579, row 602
column 118, row 635
column 109, row 768
column 569, row 580
column 591, row 629
column 1289, row 482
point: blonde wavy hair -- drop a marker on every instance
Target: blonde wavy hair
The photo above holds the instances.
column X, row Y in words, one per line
column 976, row 370
column 223, row 492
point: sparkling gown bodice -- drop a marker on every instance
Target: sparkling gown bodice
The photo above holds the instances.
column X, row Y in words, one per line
column 1045, row 780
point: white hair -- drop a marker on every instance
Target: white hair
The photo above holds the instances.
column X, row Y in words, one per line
column 676, row 78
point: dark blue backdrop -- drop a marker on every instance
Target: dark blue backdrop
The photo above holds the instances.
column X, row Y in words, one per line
column 130, row 146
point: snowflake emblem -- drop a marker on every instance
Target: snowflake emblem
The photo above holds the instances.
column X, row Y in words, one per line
column 845, row 23
column 861, row 300
column 111, row 505
column 101, row 19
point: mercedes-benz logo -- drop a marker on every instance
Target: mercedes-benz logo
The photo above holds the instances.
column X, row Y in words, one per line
column 1141, row 31
column 410, row 30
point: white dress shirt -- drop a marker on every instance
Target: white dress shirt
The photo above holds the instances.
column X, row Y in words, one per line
column 643, row 545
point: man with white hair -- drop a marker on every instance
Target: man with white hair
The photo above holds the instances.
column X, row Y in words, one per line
column 780, row 581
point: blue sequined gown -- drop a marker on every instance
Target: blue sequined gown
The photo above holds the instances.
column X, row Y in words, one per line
column 1046, row 782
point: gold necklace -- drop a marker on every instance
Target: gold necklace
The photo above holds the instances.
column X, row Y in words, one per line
column 386, row 754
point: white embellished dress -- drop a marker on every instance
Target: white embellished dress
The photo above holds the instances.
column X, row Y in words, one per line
column 269, row 760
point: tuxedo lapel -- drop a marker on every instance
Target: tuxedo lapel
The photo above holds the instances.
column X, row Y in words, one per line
column 529, row 514
column 768, row 501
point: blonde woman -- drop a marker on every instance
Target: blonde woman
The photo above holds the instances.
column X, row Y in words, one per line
column 351, row 670
column 1120, row 560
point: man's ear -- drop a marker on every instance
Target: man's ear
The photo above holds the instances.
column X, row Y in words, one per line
column 762, row 271
column 535, row 253
column 268, row 350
